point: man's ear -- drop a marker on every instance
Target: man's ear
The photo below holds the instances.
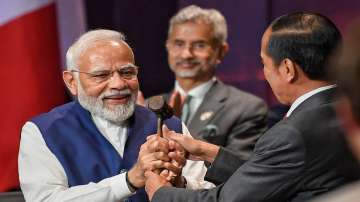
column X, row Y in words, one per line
column 288, row 70
column 168, row 45
column 223, row 49
column 70, row 82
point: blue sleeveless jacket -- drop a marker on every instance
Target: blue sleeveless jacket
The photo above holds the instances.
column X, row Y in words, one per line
column 84, row 153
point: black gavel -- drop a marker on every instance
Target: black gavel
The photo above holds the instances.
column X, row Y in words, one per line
column 163, row 111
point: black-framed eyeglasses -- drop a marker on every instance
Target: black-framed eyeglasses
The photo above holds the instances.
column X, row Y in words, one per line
column 126, row 72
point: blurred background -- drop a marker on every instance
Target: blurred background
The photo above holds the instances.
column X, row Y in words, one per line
column 34, row 36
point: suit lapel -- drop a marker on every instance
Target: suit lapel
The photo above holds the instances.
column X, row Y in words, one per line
column 212, row 103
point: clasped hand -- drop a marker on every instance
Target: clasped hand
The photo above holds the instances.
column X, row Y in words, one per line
column 162, row 157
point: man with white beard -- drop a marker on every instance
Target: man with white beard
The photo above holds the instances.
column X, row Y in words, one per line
column 95, row 148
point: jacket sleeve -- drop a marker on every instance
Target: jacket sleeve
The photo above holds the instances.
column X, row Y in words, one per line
column 233, row 162
column 269, row 175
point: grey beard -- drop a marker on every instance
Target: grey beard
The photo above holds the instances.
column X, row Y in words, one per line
column 95, row 105
column 187, row 73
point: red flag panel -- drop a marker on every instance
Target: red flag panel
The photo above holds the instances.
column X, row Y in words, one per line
column 30, row 81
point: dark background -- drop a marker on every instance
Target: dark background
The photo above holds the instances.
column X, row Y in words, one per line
column 145, row 23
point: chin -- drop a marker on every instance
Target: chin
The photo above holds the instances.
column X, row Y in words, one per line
column 114, row 106
column 187, row 73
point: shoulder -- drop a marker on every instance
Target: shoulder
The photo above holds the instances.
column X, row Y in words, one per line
column 307, row 128
column 323, row 117
column 244, row 103
column 303, row 122
column 56, row 113
column 283, row 142
column 319, row 126
column 236, row 95
column 324, row 111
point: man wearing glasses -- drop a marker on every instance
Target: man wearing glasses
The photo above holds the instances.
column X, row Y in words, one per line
column 213, row 111
column 95, row 148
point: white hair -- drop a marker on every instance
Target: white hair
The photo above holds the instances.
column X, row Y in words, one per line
column 86, row 41
column 196, row 14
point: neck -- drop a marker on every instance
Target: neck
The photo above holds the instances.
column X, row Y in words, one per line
column 305, row 87
column 189, row 83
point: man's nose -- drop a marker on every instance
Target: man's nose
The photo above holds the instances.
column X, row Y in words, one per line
column 116, row 81
column 187, row 52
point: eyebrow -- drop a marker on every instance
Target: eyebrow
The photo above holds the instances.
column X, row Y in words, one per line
column 99, row 69
column 102, row 68
column 194, row 41
column 128, row 65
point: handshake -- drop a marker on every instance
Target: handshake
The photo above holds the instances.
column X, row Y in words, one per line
column 161, row 160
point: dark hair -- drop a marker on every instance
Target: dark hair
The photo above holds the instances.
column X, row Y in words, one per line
column 306, row 38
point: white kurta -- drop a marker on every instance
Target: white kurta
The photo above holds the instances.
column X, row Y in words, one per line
column 42, row 177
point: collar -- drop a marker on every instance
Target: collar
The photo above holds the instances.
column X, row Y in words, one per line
column 197, row 92
column 306, row 96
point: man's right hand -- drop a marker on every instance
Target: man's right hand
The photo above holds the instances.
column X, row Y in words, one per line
column 198, row 150
column 153, row 156
column 154, row 182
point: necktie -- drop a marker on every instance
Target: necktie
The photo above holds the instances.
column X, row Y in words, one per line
column 185, row 115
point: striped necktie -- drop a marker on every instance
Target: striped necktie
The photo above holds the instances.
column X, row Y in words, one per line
column 185, row 114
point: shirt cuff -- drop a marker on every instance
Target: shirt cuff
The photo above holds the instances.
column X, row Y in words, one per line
column 119, row 187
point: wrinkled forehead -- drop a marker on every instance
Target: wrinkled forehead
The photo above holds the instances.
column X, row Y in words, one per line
column 106, row 53
column 119, row 47
column 187, row 29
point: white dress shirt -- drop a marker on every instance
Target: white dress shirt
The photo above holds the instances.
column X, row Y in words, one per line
column 197, row 95
column 42, row 177
column 306, row 96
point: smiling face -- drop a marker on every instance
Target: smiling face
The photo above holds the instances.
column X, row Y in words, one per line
column 192, row 51
column 114, row 98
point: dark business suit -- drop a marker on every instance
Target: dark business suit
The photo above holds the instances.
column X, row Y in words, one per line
column 298, row 158
column 230, row 118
